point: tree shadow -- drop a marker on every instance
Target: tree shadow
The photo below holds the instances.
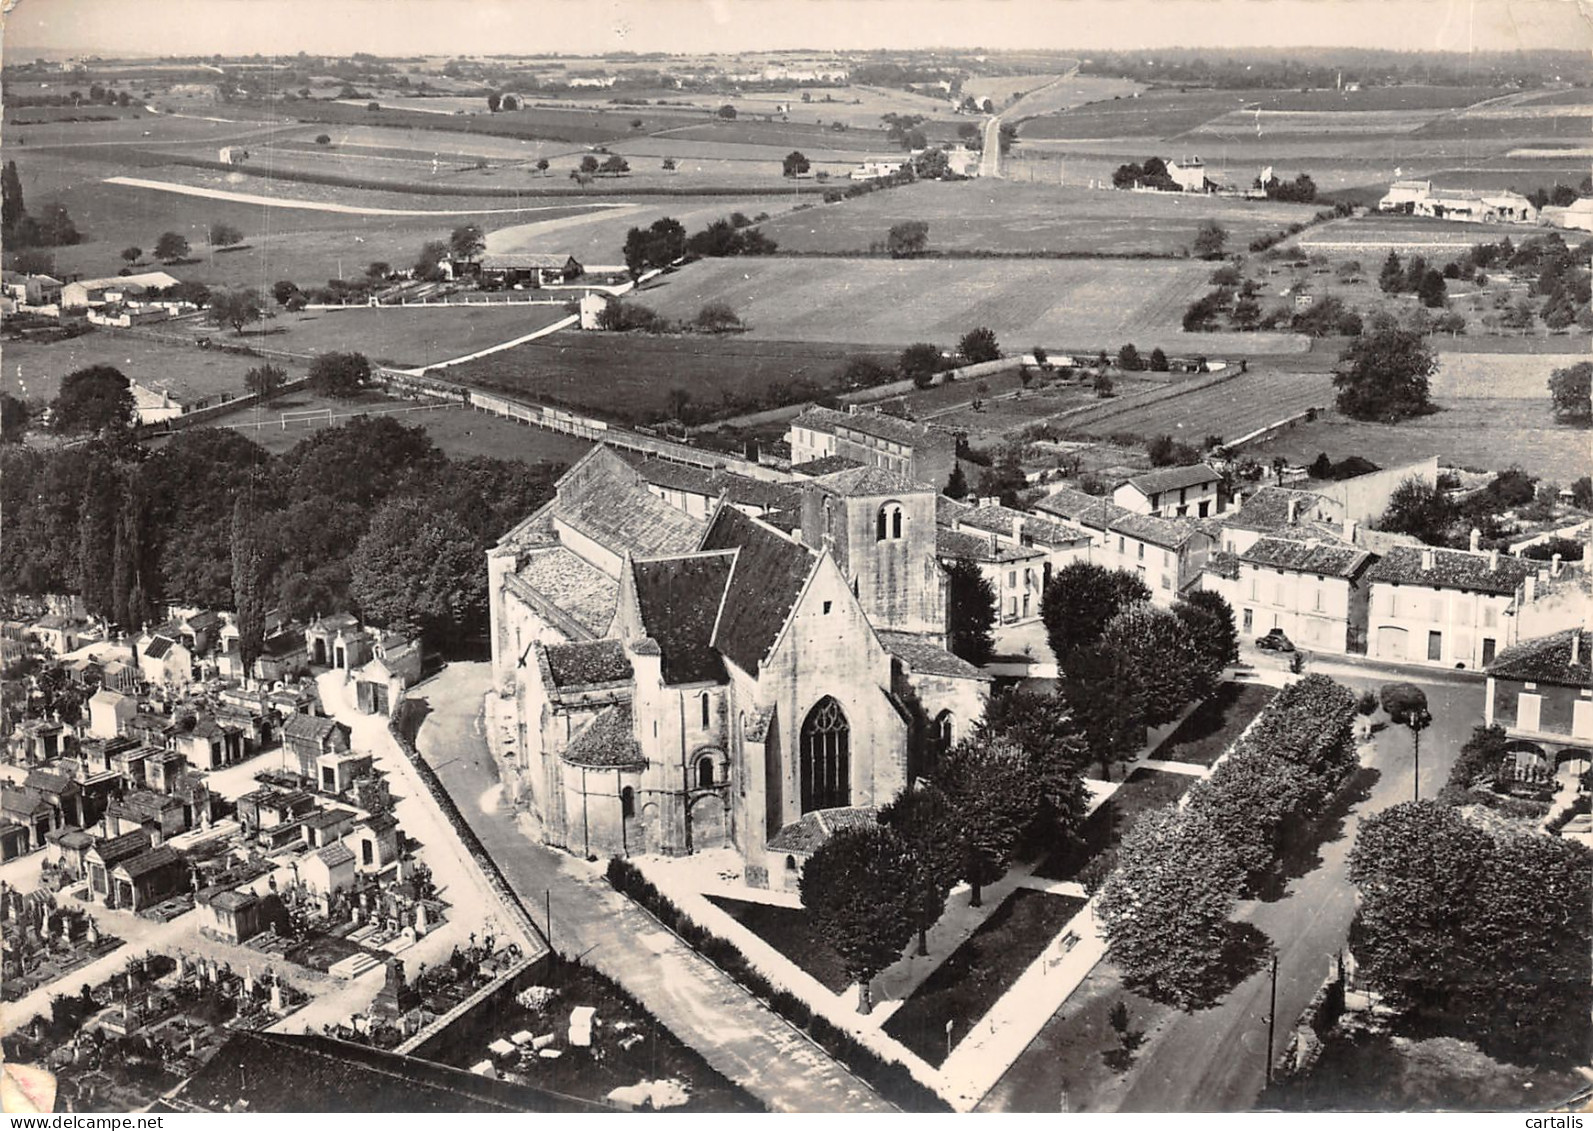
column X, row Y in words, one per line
column 411, row 713
column 1300, row 852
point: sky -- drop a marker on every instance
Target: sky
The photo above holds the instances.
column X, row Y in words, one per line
column 447, row 27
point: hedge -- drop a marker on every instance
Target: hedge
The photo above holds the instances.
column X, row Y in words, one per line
column 890, row 1078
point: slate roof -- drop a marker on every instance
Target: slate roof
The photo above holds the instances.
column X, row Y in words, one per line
column 308, row 728
column 679, row 599
column 923, row 655
column 588, row 663
column 157, row 647
column 116, row 849
column 334, row 855
column 1103, row 514
column 958, row 546
column 806, row 834
column 573, row 585
column 150, row 861
column 1452, row 569
column 998, row 520
column 1547, row 659
column 1325, row 558
column 862, row 482
column 824, row 465
column 608, row 741
column 603, row 498
column 1173, row 478
column 765, row 583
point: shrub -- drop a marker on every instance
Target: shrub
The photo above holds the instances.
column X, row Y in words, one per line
column 622, row 316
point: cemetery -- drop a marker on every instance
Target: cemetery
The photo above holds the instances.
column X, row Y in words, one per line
column 44, row 942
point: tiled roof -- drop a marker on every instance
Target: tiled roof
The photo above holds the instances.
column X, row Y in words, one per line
column 1547, row 659
column 1223, row 564
column 1452, row 569
column 679, row 599
column 824, row 465
column 860, row 482
column 813, row 829
column 379, row 822
column 948, row 510
column 48, row 781
column 116, row 849
column 1173, row 478
column 573, row 585
column 768, row 576
column 607, row 742
column 923, row 655
column 23, row 801
column 334, row 855
column 587, row 663
column 328, row 818
column 335, row 621
column 524, row 260
column 147, row 862
column 310, row 728
column 1267, row 510
column 232, row 900
column 998, row 519
column 957, row 546
column 284, row 643
column 879, row 425
column 604, row 499
column 1325, row 558
column 1103, row 514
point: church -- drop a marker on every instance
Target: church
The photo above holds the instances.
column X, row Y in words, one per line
column 680, row 682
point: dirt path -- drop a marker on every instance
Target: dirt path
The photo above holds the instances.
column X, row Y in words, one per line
column 344, row 209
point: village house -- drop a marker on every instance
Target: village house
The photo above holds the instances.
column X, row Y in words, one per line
column 924, row 453
column 737, row 677
column 1542, row 689
column 160, row 399
column 1576, row 216
column 1172, row 492
column 1450, row 608
column 308, row 737
column 1422, row 198
column 516, row 269
column 1190, row 175
column 1015, row 572
column 30, row 290
column 1314, row 590
column 1167, row 554
column 1059, row 543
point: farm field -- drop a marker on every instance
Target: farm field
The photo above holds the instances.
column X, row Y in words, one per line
column 1377, row 232
column 33, row 370
column 1229, row 409
column 1474, row 432
column 1067, row 304
column 1004, row 217
column 631, row 378
column 1076, row 90
column 598, row 237
column 397, row 336
column 1513, row 376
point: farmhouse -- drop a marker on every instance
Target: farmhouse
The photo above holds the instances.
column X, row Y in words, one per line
column 156, row 400
column 30, row 290
column 1172, row 491
column 1577, row 216
column 1190, row 175
column 1167, row 554
column 925, row 453
column 516, row 269
column 737, row 679
column 1403, row 195
column 116, row 288
column 1543, row 688
column 1451, row 608
column 1420, row 198
column 874, row 170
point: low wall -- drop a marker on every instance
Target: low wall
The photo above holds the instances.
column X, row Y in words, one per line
column 203, row 415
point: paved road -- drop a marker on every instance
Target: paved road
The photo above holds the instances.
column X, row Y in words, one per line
column 738, row 1036
column 990, row 157
column 1214, row 1060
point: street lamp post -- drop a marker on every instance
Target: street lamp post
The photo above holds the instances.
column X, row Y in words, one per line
column 1272, row 1014
column 1419, row 721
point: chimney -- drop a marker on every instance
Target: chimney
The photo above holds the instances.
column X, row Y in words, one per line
column 1554, row 566
column 1294, row 511
column 1476, row 540
column 995, row 546
column 1576, row 646
column 1493, row 561
column 1428, row 558
column 1350, row 528
column 1017, row 528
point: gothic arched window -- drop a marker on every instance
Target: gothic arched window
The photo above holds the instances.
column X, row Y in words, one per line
column 826, row 757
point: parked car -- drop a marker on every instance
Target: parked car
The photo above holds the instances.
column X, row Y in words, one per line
column 1275, row 641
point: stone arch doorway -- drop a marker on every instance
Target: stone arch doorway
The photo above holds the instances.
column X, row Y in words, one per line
column 826, row 747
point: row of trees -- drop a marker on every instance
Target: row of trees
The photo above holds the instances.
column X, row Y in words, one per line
column 665, row 242
column 52, row 227
column 369, row 515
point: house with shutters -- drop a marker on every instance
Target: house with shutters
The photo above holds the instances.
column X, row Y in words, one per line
column 1167, row 554
column 1542, row 689
column 920, row 451
column 1172, row 492
column 1314, row 589
column 1448, row 608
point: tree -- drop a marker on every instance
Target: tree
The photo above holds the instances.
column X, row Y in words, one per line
column 956, row 483
column 863, row 888
column 132, row 255
column 1128, row 359
column 542, row 166
column 323, row 139
column 171, row 247
column 614, row 166
column 1210, row 240
column 795, row 164
column 727, row 112
column 249, row 564
column 340, row 375
column 265, row 380
column 1005, row 479
column 466, row 242
column 718, row 318
column 1165, row 909
column 1041, row 726
column 992, row 792
column 1392, row 277
column 1570, row 389
column 1166, row 667
column 1158, row 360
column 1383, row 376
column 12, row 208
column 1079, row 602
column 56, row 228
column 1209, row 619
column 14, row 416
column 907, row 239
column 420, row 569
column 923, row 818
column 93, row 399
column 236, row 308
column 224, row 235
column 979, row 345
column 1406, row 705
column 377, row 270
column 494, row 101
column 1420, row 509
column 1432, row 290
column 656, row 246
column 97, row 537
column 428, row 265
column 970, row 613
column 919, row 363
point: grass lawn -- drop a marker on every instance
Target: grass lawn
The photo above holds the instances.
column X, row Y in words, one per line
column 33, row 370
column 1104, row 828
column 1003, row 216
column 1212, row 727
column 976, row 975
column 629, row 377
column 790, row 931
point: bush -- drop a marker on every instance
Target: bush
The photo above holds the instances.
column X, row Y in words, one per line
column 622, row 316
